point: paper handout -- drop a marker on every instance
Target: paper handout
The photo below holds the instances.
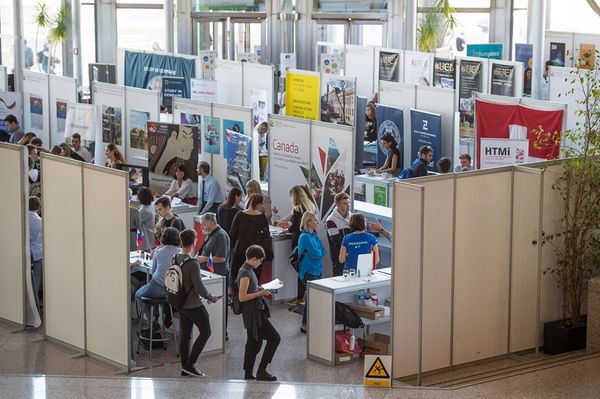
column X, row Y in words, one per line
column 273, row 285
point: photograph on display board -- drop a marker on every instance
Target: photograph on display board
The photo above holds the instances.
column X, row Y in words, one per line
column 524, row 54
column 137, row 132
column 260, row 113
column 503, row 80
column 315, row 187
column 587, row 56
column 360, row 191
column 211, row 135
column 36, row 112
column 338, row 100
column 557, row 54
column 331, row 63
column 10, row 104
column 471, row 82
column 61, row 114
column 171, row 145
column 389, row 120
column 444, row 73
column 237, row 151
column 389, row 66
column 111, row 125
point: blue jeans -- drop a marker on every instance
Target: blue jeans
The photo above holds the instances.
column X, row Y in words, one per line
column 307, row 277
column 150, row 290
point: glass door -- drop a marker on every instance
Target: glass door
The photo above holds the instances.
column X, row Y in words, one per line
column 367, row 33
column 246, row 37
column 210, row 34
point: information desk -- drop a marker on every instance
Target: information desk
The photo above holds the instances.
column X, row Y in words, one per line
column 322, row 295
column 376, row 189
column 281, row 269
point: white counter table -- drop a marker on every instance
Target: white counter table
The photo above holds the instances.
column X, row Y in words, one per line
column 376, row 189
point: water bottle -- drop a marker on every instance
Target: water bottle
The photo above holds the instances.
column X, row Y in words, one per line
column 352, row 342
column 361, row 298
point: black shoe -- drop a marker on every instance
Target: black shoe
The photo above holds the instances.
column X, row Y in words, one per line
column 192, row 371
column 263, row 375
column 303, row 330
column 249, row 376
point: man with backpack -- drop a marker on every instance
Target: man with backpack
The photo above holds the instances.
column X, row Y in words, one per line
column 183, row 282
column 418, row 168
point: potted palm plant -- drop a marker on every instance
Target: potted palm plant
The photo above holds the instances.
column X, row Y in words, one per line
column 434, row 26
column 576, row 244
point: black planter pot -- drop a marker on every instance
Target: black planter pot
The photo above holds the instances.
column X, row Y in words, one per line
column 561, row 336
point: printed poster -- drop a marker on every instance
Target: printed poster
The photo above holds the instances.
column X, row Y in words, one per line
column 491, row 50
column 444, row 73
column 302, row 95
column 380, row 195
column 389, row 120
column 503, row 80
column 587, row 56
column 249, row 57
column 260, row 113
column 194, row 120
column 112, row 122
column 138, row 136
column 426, row 129
column 503, row 152
column 389, row 66
column 338, row 100
column 418, row 68
column 524, row 54
column 557, row 54
column 36, row 110
column 10, row 103
column 203, row 90
column 171, row 145
column 173, row 87
column 470, row 83
column 61, row 114
column 211, row 135
column 331, row 63
column 237, row 150
column 81, row 118
column 207, row 58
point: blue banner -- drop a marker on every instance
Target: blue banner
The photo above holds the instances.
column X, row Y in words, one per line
column 145, row 70
column 491, row 50
column 173, row 87
column 389, row 120
column 524, row 54
column 426, row 129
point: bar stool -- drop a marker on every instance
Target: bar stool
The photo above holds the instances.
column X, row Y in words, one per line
column 153, row 302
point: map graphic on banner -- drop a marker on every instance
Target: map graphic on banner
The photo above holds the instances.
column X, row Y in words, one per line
column 203, row 90
column 211, row 135
column 10, row 103
column 426, row 129
column 444, row 73
column 302, row 95
column 503, row 80
column 524, row 54
column 112, row 122
column 491, row 50
column 338, row 100
column 81, row 118
column 389, row 66
column 259, row 106
column 419, row 68
column 61, row 115
column 503, row 152
column 36, row 112
column 138, row 136
column 470, row 83
column 514, row 121
column 389, row 120
column 557, row 54
column 171, row 145
column 237, row 151
column 145, row 70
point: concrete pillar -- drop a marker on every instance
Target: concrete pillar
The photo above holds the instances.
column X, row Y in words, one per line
column 536, row 31
column 410, row 32
column 593, row 315
column 106, row 31
column 169, row 26
column 18, row 32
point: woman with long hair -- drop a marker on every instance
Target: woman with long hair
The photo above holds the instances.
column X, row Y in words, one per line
column 113, row 156
column 229, row 208
column 370, row 133
column 181, row 186
column 393, row 163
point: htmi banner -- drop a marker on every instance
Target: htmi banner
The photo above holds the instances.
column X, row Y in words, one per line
column 426, row 129
column 503, row 152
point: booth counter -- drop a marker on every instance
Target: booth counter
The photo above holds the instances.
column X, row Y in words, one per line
column 217, row 286
column 281, row 269
column 376, row 189
column 322, row 296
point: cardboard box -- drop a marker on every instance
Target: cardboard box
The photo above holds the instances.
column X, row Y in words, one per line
column 367, row 312
column 375, row 344
column 344, row 358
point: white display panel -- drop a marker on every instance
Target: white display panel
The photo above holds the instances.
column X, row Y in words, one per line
column 36, row 109
column 63, row 90
column 15, row 234
column 110, row 100
column 3, row 78
column 185, row 111
column 258, row 81
column 141, row 106
column 229, row 77
column 560, row 37
column 440, row 101
column 64, row 313
column 360, row 62
column 120, row 65
column 397, row 95
column 106, row 214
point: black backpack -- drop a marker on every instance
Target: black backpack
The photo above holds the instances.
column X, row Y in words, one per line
column 236, row 305
column 346, row 316
column 295, row 260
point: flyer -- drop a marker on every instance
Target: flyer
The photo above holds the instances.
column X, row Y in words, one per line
column 389, row 66
column 444, row 73
column 211, row 135
column 503, row 80
column 471, row 82
column 587, row 56
column 557, row 54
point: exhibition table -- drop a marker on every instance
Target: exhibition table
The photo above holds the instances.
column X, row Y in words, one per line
column 375, row 189
column 322, row 296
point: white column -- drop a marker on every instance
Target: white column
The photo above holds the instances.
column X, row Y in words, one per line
column 410, row 38
column 106, row 31
column 169, row 26
column 184, row 27
column 76, row 38
column 537, row 22
column 18, row 32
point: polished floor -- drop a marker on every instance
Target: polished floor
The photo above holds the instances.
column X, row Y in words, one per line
column 33, row 368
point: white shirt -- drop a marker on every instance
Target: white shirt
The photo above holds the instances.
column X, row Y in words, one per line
column 185, row 191
column 35, row 236
column 84, row 153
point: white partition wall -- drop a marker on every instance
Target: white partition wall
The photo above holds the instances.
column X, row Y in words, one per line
column 258, row 81
column 230, row 82
column 106, row 214
column 481, row 265
column 3, row 78
column 360, row 62
column 36, row 110
column 62, row 190
column 15, row 236
column 565, row 38
column 141, row 106
column 397, row 95
column 110, row 100
column 63, row 90
column 440, row 101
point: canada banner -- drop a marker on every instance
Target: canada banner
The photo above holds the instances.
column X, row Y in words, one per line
column 515, row 121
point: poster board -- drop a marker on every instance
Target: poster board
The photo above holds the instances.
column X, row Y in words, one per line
column 191, row 112
column 106, row 215
column 391, row 120
column 258, row 90
column 205, row 65
column 418, row 68
column 360, row 62
column 440, row 101
column 229, row 77
column 585, row 48
column 82, row 119
column 110, row 100
column 203, row 90
column 496, row 152
column 506, row 78
column 472, row 78
column 389, row 65
column 338, row 100
column 559, row 48
column 426, row 129
column 36, row 107
column 63, row 90
column 10, row 103
column 141, row 106
column 302, row 94
column 444, row 73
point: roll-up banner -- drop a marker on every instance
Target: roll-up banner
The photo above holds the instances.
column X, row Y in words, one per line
column 171, row 145
column 515, row 121
column 173, row 87
column 237, row 151
column 10, row 104
column 302, row 94
column 389, row 66
column 389, row 120
column 338, row 100
column 203, row 90
column 426, row 129
column 81, row 118
column 207, row 61
column 470, row 82
column 145, row 70
column 503, row 152
column 524, row 54
column 418, row 68
column 503, row 80
column 488, row 50
column 444, row 73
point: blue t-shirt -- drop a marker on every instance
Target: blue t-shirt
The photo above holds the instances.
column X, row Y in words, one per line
column 357, row 244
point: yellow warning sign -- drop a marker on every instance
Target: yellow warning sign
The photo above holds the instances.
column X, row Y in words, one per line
column 376, row 371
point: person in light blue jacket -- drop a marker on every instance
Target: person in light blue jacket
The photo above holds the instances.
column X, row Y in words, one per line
column 310, row 252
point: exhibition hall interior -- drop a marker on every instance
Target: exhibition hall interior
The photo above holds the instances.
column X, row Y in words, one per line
column 299, row 198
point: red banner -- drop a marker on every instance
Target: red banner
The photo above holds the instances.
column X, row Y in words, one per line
column 505, row 121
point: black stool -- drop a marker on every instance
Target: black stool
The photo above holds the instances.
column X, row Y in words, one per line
column 153, row 302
